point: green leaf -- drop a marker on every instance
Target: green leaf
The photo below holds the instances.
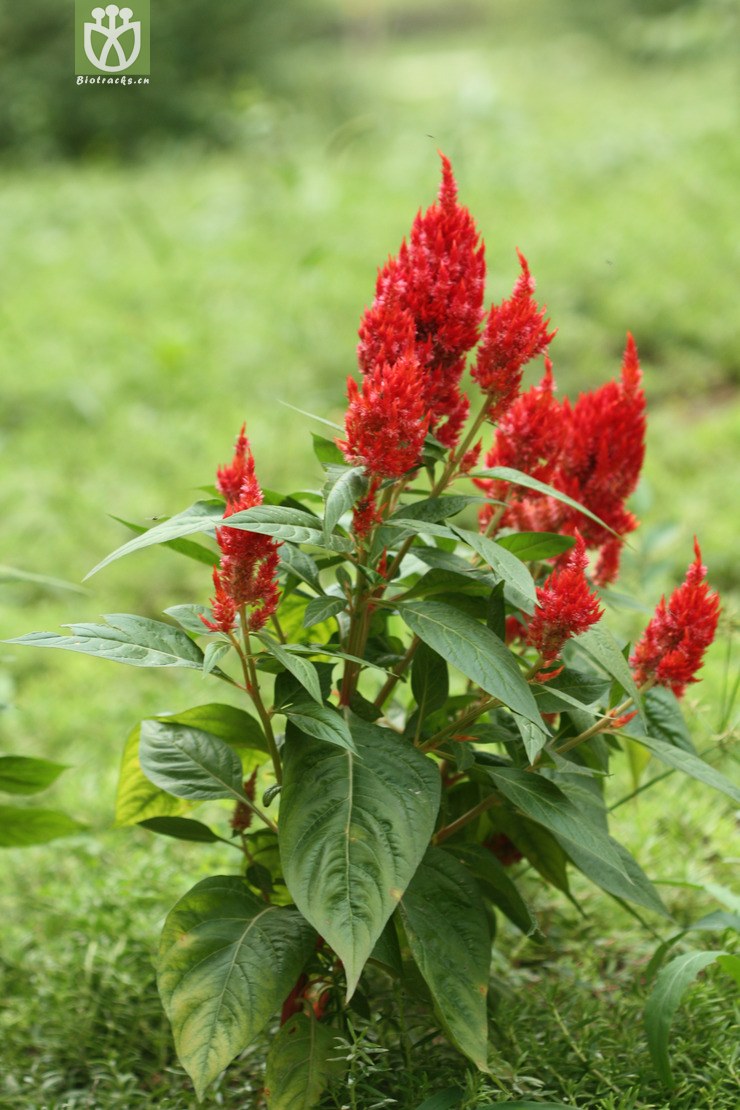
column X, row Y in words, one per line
column 670, row 986
column 504, row 564
column 20, row 828
column 326, row 451
column 434, row 509
column 449, row 1099
column 226, row 963
column 299, row 1064
column 203, row 516
column 214, row 653
column 353, row 829
column 287, row 524
column 181, row 828
column 590, row 847
column 20, row 774
column 138, row 799
column 301, row 669
column 387, row 951
column 344, row 486
column 497, row 885
column 188, row 617
column 14, row 574
column 496, row 611
column 571, row 687
column 665, row 719
column 237, row 728
column 448, row 934
column 189, row 763
column 138, row 641
column 598, row 643
column 430, row 682
column 298, row 563
column 323, row 609
column 690, row 764
column 518, row 478
column 474, row 650
column 534, row 547
column 189, row 548
column 322, row 722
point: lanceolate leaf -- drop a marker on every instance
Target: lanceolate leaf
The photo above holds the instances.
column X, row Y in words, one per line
column 429, row 680
column 203, row 516
column 600, row 645
column 301, row 669
column 344, row 485
column 300, row 564
column 535, row 546
column 20, row 774
column 474, row 650
column 690, row 765
column 670, row 986
column 518, row 478
column 590, row 847
column 301, row 1061
column 234, row 726
column 138, row 641
column 226, row 963
column 189, row 763
column 320, row 721
column 181, row 828
column 502, row 563
column 353, row 829
column 323, row 608
column 433, row 509
column 20, row 828
column 499, row 887
column 448, row 934
column 665, row 720
column 189, row 548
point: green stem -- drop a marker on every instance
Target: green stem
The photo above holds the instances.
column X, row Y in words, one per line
column 458, row 724
column 398, row 670
column 461, row 822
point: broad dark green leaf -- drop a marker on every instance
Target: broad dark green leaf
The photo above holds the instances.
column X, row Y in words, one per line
column 301, row 669
column 518, row 478
column 181, row 828
column 344, row 485
column 300, row 1064
column 504, row 564
column 569, row 688
column 474, row 650
column 323, row 609
column 593, row 851
column 690, row 764
column 599, row 644
column 138, row 799
column 670, row 986
column 533, row 547
column 353, row 829
column 21, row 827
column 20, row 774
column 448, row 934
column 387, row 951
column 226, row 963
column 320, row 721
column 430, row 682
column 189, row 763
column 496, row 611
column 138, row 641
column 203, row 516
column 665, row 720
column 497, row 884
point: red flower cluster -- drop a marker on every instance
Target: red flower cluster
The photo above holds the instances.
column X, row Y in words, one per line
column 672, row 646
column 515, row 333
column 565, row 607
column 429, row 299
column 386, row 422
column 246, row 576
column 592, row 450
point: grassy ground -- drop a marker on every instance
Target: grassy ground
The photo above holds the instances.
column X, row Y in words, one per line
column 147, row 311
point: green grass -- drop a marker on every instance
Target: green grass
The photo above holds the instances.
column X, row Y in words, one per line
column 146, row 311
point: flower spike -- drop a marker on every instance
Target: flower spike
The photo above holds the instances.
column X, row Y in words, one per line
column 565, row 606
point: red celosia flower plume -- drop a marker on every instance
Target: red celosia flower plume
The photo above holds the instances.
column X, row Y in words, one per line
column 431, row 294
column 387, row 420
column 672, row 646
column 246, row 577
column 566, row 606
column 515, row 333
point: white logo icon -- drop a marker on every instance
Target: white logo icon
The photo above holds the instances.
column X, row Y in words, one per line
column 107, row 36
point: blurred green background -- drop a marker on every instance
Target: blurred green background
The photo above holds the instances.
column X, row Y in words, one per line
column 178, row 258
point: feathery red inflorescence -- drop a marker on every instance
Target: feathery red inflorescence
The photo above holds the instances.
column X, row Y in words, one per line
column 431, row 294
column 592, row 450
column 672, row 647
column 515, row 333
column 246, row 577
column 387, row 421
column 566, row 605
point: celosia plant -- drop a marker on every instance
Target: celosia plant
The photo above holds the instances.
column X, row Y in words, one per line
column 425, row 702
